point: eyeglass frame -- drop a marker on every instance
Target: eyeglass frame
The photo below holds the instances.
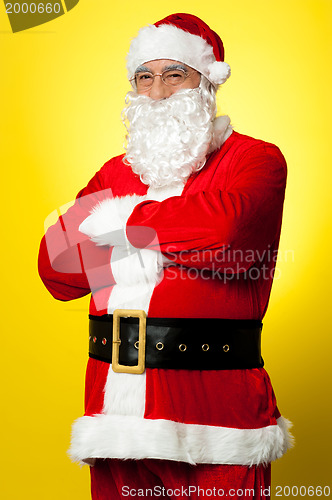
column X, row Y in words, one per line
column 186, row 74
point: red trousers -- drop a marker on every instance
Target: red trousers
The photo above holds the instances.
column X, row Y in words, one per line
column 113, row 479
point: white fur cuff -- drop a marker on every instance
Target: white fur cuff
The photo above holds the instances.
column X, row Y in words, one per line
column 107, row 222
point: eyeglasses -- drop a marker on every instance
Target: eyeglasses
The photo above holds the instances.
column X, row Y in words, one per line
column 143, row 80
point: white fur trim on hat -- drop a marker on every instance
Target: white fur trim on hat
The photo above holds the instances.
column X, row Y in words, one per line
column 169, row 42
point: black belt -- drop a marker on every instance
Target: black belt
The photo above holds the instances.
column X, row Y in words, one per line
column 178, row 343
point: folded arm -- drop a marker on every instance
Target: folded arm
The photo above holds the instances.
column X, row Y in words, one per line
column 208, row 228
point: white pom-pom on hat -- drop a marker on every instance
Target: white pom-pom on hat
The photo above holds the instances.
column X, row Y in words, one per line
column 219, row 72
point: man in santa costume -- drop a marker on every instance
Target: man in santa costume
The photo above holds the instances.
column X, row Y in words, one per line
column 177, row 242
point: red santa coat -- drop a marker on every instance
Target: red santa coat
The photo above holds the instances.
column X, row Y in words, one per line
column 209, row 250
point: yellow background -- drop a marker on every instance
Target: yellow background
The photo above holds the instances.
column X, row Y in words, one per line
column 62, row 90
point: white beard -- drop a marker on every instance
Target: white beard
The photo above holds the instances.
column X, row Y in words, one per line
column 168, row 139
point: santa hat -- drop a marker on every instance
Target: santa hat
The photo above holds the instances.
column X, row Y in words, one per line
column 184, row 38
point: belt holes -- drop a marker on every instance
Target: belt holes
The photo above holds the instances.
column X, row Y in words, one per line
column 182, row 347
column 205, row 347
column 225, row 348
column 160, row 346
column 136, row 344
column 104, row 341
column 94, row 340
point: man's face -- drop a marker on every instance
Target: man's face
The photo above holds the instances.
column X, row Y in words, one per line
column 170, row 127
column 174, row 69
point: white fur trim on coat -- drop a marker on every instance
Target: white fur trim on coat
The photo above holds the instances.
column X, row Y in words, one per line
column 136, row 275
column 131, row 265
column 164, row 192
column 169, row 42
column 125, row 394
column 120, row 436
column 130, row 297
column 222, row 129
column 136, row 272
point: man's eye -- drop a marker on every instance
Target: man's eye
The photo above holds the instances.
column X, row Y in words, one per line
column 144, row 76
column 174, row 77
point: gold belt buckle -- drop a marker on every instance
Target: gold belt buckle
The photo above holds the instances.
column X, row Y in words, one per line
column 129, row 313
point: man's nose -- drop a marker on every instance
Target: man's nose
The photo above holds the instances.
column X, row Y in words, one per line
column 159, row 89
